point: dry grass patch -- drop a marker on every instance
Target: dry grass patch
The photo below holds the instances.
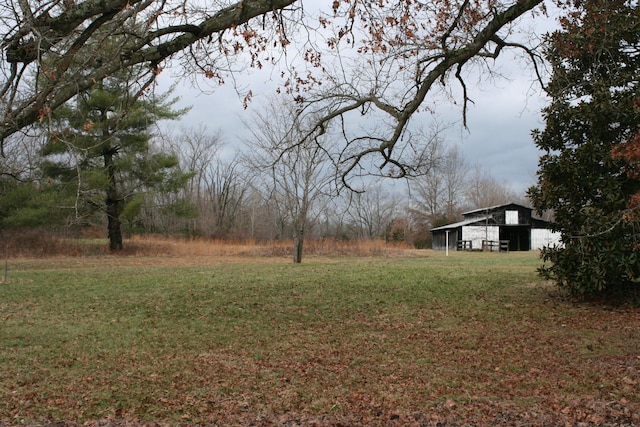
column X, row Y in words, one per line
column 45, row 243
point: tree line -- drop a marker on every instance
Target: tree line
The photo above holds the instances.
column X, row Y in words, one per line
column 382, row 65
column 114, row 168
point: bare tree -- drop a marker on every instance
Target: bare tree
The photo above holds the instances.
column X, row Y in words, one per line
column 198, row 150
column 438, row 193
column 429, row 188
column 296, row 179
column 372, row 212
column 484, row 190
column 455, row 172
column 262, row 219
column 219, row 185
column 227, row 191
column 333, row 220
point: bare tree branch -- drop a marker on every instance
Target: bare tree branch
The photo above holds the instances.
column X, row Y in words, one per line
column 48, row 39
column 469, row 32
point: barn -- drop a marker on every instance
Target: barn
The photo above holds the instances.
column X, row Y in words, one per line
column 510, row 227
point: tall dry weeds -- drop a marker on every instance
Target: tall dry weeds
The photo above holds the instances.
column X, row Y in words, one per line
column 46, row 243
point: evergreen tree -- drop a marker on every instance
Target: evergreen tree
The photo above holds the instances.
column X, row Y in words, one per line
column 101, row 152
column 596, row 72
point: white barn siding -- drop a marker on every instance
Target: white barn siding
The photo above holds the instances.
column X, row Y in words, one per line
column 478, row 233
column 543, row 237
column 511, row 217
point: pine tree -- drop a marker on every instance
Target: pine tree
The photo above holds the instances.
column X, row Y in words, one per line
column 101, row 152
column 595, row 60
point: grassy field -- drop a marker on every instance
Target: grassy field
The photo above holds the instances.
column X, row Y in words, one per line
column 412, row 338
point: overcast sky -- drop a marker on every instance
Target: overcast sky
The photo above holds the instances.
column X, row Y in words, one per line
column 499, row 125
column 500, row 120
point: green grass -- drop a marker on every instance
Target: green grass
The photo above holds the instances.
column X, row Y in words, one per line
column 210, row 341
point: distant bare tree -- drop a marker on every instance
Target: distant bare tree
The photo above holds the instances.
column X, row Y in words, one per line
column 484, row 190
column 331, row 222
column 218, row 187
column 372, row 212
column 260, row 220
column 455, row 174
column 438, row 193
column 198, row 149
column 228, row 192
column 293, row 167
column 429, row 188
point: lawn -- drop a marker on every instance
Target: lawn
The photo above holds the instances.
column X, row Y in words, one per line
column 418, row 340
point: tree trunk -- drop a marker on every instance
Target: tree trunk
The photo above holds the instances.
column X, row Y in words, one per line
column 115, row 232
column 297, row 247
column 113, row 205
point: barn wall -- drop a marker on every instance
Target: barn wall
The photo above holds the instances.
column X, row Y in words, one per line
column 544, row 237
column 478, row 233
column 518, row 214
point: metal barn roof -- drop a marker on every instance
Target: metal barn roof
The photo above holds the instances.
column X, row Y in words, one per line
column 463, row 223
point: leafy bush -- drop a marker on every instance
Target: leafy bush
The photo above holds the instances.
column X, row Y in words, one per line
column 593, row 90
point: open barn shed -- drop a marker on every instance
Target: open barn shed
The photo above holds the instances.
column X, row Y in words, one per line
column 510, row 227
